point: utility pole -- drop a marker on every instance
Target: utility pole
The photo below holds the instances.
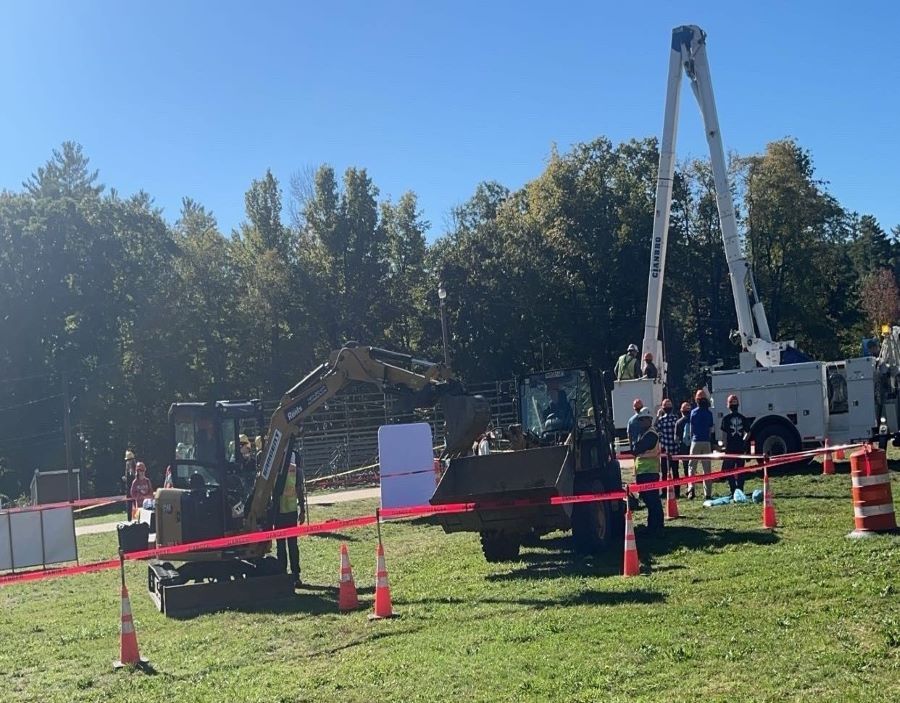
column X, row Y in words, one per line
column 67, row 430
column 442, row 296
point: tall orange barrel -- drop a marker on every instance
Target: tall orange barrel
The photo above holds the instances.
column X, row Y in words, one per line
column 873, row 505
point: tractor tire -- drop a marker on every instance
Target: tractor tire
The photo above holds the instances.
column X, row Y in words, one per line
column 593, row 524
column 499, row 546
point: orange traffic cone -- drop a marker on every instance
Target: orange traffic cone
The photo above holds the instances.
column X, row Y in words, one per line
column 383, row 607
column 828, row 462
column 128, row 645
column 671, row 504
column 769, row 519
column 839, row 454
column 347, row 598
column 632, row 566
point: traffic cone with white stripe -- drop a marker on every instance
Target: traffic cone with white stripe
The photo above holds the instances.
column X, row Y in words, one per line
column 828, row 462
column 770, row 521
column 347, row 597
column 671, row 504
column 128, row 645
column 383, row 608
column 632, row 565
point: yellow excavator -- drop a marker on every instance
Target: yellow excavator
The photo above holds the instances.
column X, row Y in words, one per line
column 216, row 493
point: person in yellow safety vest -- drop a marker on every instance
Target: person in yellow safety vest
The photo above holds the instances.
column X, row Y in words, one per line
column 646, row 467
column 289, row 510
column 627, row 365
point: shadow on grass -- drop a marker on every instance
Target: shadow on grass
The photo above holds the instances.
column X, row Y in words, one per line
column 554, row 557
column 336, row 535
column 587, row 597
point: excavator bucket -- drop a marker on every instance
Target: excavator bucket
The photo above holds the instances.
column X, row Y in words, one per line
column 465, row 418
column 532, row 474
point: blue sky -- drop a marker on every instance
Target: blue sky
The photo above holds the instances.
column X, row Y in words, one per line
column 197, row 98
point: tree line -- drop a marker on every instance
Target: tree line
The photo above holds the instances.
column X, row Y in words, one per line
column 104, row 303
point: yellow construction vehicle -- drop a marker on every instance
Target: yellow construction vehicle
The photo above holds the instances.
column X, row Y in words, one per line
column 214, row 495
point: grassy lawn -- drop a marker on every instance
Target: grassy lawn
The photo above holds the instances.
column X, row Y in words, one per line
column 723, row 611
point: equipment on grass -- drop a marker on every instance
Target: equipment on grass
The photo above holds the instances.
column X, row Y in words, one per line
column 565, row 449
column 218, row 492
column 793, row 402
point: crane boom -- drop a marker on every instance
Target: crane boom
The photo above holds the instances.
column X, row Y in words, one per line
column 689, row 54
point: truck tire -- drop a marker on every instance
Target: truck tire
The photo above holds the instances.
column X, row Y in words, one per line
column 593, row 524
column 499, row 546
column 775, row 439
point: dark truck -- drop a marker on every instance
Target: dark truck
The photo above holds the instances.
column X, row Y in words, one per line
column 563, row 446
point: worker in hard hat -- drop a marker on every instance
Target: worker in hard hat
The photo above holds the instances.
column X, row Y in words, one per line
column 683, row 436
column 702, row 436
column 649, row 370
column 646, row 467
column 665, row 428
column 627, row 365
column 632, row 427
column 127, row 478
column 289, row 510
column 735, row 431
column 141, row 488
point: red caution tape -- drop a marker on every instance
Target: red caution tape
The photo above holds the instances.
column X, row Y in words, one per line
column 82, row 503
column 40, row 575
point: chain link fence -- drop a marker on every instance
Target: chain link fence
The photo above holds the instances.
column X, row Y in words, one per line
column 343, row 434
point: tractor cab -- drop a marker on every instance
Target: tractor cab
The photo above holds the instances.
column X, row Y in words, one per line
column 212, row 474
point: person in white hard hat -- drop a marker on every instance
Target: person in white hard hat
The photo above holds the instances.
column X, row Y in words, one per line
column 627, row 365
column 127, row 478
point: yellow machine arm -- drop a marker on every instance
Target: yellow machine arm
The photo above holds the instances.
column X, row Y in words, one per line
column 466, row 416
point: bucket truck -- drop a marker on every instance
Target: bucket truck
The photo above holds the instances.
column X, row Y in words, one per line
column 794, row 402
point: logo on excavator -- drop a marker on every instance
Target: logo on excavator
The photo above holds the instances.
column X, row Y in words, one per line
column 270, row 455
column 292, row 412
column 656, row 258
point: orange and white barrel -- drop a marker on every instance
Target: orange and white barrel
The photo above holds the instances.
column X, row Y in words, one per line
column 873, row 505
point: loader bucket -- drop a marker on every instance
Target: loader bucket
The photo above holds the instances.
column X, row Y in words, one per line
column 466, row 417
column 537, row 474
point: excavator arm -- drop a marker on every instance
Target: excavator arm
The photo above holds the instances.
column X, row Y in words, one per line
column 465, row 416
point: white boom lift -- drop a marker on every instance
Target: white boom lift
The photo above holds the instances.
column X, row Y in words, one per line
column 793, row 401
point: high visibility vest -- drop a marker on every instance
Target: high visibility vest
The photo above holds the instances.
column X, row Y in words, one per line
column 648, row 462
column 626, row 368
column 288, row 501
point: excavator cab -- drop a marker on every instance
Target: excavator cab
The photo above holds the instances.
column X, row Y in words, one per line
column 211, row 479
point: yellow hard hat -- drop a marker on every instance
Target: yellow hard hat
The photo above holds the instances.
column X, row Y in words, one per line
column 244, row 439
column 129, row 455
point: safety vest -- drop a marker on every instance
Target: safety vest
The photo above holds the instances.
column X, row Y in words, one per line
column 626, row 368
column 648, row 462
column 288, row 501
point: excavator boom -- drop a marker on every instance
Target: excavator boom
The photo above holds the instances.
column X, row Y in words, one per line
column 465, row 416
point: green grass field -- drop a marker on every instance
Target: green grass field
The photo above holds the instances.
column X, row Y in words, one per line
column 724, row 611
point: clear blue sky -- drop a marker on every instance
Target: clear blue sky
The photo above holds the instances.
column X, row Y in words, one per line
column 197, row 98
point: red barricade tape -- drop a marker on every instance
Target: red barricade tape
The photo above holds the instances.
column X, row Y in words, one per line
column 224, row 543
column 81, row 503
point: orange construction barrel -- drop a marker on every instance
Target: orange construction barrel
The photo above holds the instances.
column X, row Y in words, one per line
column 873, row 505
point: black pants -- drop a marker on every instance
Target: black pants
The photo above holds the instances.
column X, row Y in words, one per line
column 287, row 547
column 734, row 482
column 667, row 465
column 651, row 499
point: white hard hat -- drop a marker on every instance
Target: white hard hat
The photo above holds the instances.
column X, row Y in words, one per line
column 632, row 347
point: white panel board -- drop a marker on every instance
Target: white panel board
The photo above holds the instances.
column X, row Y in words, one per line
column 407, row 464
column 5, row 551
column 59, row 535
column 26, row 532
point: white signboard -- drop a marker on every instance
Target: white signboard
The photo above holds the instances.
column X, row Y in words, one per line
column 37, row 537
column 407, row 464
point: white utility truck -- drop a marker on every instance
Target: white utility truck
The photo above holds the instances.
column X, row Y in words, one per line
column 793, row 402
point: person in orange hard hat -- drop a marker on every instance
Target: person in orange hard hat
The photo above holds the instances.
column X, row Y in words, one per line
column 702, row 437
column 650, row 370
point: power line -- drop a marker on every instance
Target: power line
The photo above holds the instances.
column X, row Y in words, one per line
column 30, row 402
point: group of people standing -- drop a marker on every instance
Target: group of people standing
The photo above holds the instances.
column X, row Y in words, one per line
column 655, row 440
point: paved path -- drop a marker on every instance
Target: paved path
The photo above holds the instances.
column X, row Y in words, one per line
column 315, row 499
